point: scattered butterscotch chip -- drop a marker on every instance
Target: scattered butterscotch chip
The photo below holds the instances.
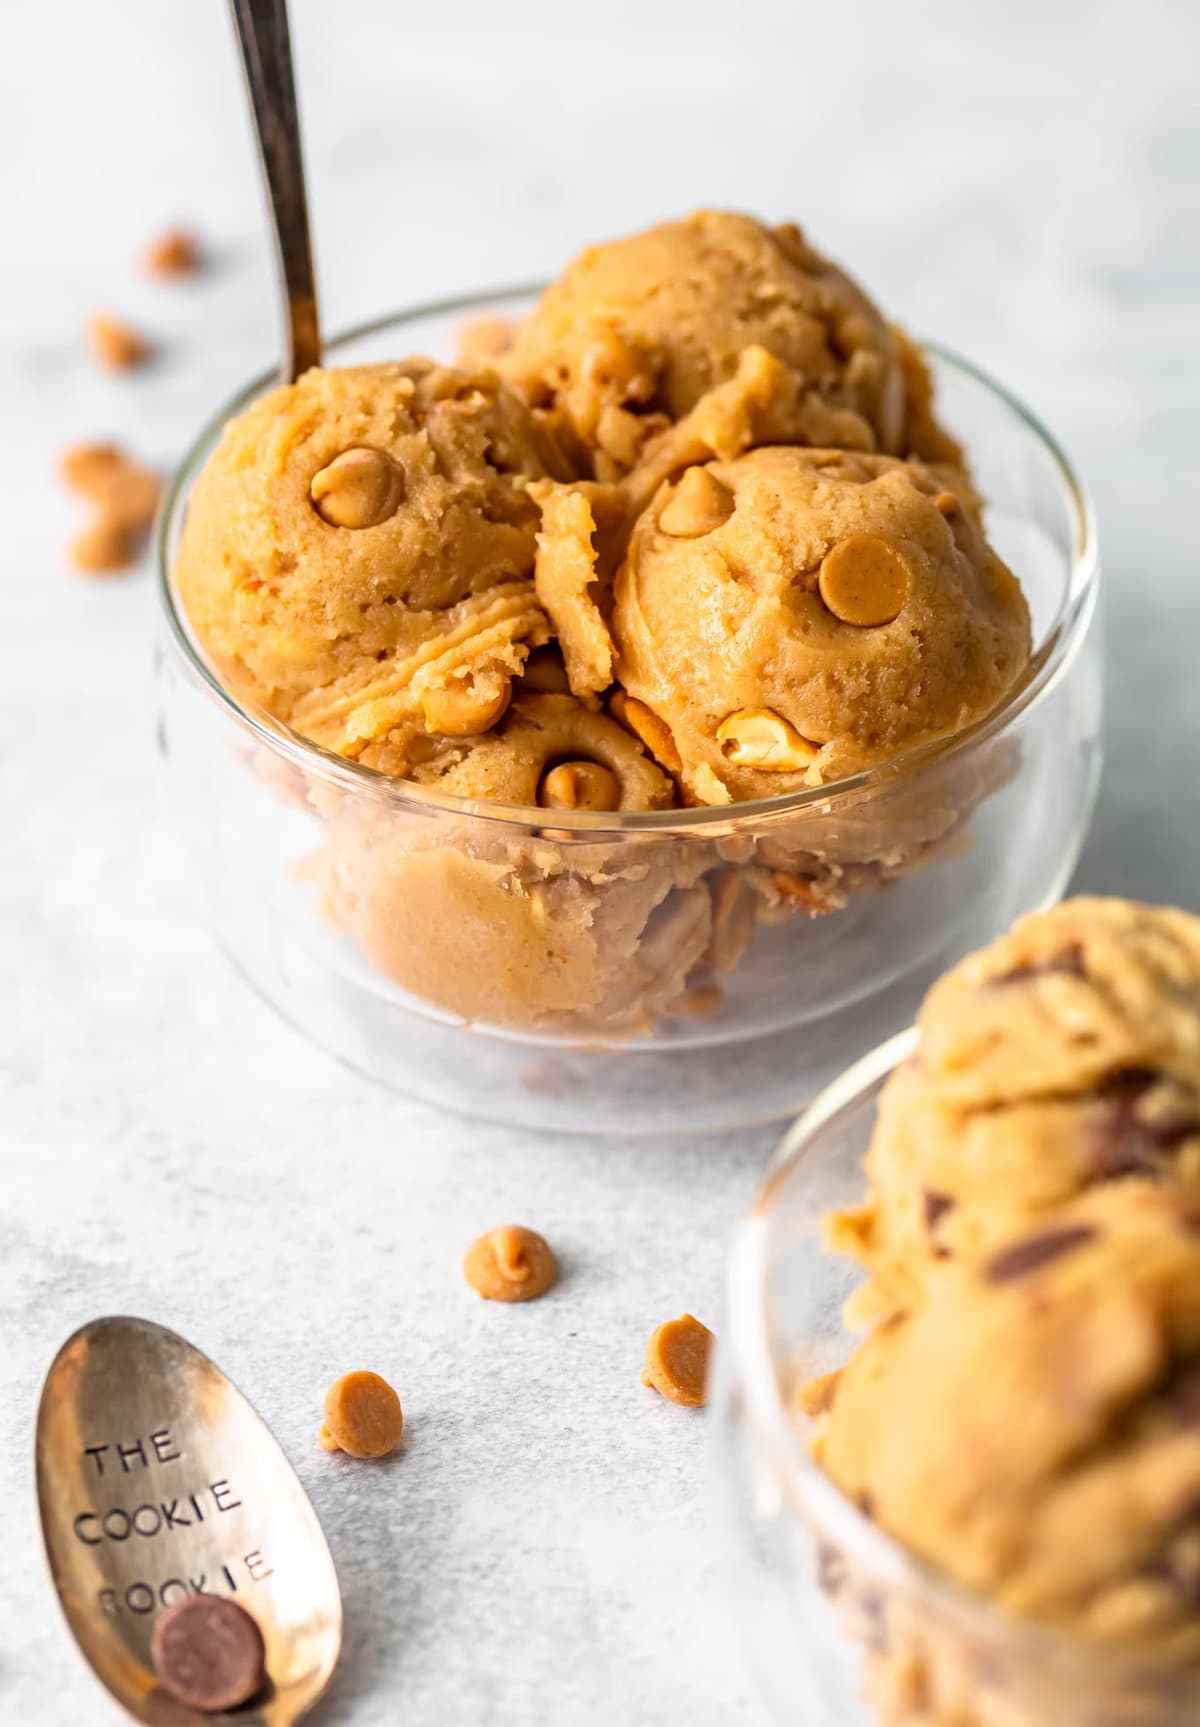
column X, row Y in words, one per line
column 175, row 253
column 510, row 1264
column 864, row 581
column 677, row 1361
column 363, row 1416
column 125, row 496
column 208, row 1652
column 117, row 346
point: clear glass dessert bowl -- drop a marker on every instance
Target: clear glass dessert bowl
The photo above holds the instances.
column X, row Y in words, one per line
column 615, row 972
column 842, row 1626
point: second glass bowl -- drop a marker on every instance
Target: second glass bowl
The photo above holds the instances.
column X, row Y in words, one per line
column 843, row 1627
column 615, row 973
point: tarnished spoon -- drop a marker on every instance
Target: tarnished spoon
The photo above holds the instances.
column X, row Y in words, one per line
column 262, row 30
column 157, row 1480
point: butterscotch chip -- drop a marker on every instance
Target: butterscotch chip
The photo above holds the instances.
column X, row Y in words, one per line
column 580, row 786
column 117, row 346
column 125, row 496
column 102, row 549
column 677, row 1361
column 760, row 738
column 208, row 1652
column 645, row 724
column 510, row 1264
column 864, row 581
column 358, row 489
column 175, row 253
column 704, row 998
column 363, row 1416
column 699, row 505
column 466, row 707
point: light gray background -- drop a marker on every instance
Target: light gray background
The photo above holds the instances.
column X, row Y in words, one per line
column 1018, row 179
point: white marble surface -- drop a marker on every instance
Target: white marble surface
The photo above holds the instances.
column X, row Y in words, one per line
column 1019, row 179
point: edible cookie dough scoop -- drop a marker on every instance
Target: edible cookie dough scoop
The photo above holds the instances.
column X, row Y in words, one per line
column 187, row 1557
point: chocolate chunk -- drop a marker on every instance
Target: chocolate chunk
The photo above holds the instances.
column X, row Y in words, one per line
column 1068, row 963
column 1179, row 1566
column 865, row 1500
column 1035, row 1251
column 1183, row 1394
column 208, row 1652
column 936, row 1207
column 1130, row 1142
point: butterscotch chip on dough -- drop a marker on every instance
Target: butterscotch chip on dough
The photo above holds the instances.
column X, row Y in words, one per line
column 677, row 1361
column 510, row 1263
column 115, row 345
column 363, row 1416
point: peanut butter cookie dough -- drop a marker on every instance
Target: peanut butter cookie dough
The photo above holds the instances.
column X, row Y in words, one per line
column 796, row 615
column 358, row 554
column 1034, row 1428
column 508, row 928
column 660, row 545
column 1063, row 1057
column 634, row 333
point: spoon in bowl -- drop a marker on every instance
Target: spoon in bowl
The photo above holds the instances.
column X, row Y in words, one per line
column 157, row 1481
column 263, row 36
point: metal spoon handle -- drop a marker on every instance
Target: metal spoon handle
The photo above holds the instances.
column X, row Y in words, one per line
column 262, row 29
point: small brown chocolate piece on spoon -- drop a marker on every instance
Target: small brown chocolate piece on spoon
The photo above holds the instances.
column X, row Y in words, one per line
column 208, row 1652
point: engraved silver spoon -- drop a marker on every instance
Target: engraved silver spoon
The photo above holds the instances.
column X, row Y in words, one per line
column 157, row 1480
column 262, row 31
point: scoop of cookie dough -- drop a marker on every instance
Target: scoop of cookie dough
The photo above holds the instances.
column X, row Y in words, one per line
column 634, row 333
column 1063, row 1057
column 1034, row 1429
column 795, row 615
column 574, row 934
column 358, row 552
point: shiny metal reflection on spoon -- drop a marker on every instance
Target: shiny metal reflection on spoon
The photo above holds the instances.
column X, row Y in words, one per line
column 156, row 1480
column 265, row 43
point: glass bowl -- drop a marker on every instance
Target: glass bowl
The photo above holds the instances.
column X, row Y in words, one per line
column 646, row 972
column 842, row 1626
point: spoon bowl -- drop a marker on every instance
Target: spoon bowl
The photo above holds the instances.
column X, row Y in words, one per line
column 157, row 1480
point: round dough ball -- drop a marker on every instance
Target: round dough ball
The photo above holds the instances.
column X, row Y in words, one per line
column 358, row 551
column 645, row 326
column 1034, row 1429
column 535, row 931
column 1065, row 1056
column 725, row 625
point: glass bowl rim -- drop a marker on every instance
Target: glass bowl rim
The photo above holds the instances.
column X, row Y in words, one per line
column 801, row 1480
column 1048, row 663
